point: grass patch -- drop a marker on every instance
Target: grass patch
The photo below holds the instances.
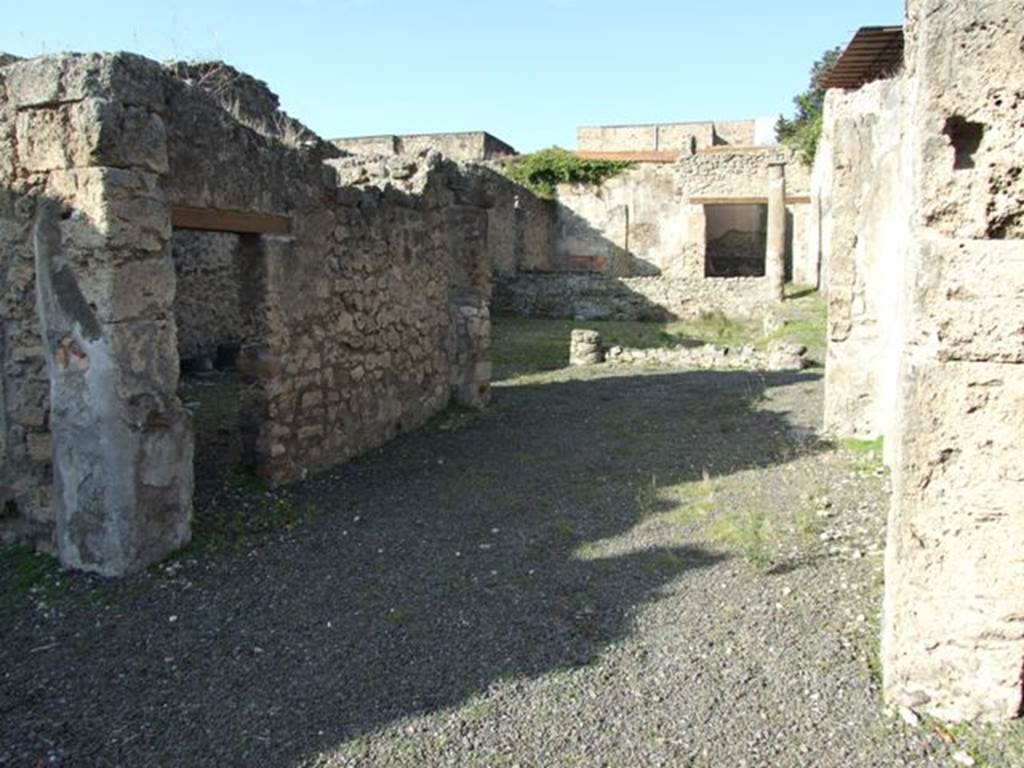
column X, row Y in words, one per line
column 668, row 562
column 401, row 615
column 453, row 417
column 522, row 346
column 806, row 314
column 647, row 498
column 245, row 510
column 991, row 746
column 24, row 572
column 562, row 530
column 867, row 453
column 807, row 522
column 696, row 500
column 744, row 531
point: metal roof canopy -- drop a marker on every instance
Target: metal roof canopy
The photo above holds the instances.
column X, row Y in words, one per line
column 873, row 53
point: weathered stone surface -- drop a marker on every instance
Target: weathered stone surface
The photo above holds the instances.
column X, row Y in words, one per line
column 122, row 451
column 865, row 201
column 778, row 357
column 919, row 215
column 585, row 347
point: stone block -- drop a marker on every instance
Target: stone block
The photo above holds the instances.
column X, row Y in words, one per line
column 585, row 347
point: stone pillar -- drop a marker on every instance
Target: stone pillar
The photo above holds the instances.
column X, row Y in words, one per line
column 585, row 347
column 775, row 241
column 953, row 619
column 121, row 443
column 470, row 354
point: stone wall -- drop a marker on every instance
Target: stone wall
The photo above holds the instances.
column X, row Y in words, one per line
column 953, row 635
column 867, row 216
column 467, row 146
column 590, row 296
column 920, row 224
column 650, row 218
column 641, row 239
column 660, row 137
column 520, row 225
column 366, row 315
column 209, row 305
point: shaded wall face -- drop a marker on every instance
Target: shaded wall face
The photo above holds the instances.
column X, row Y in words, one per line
column 209, row 300
column 90, row 143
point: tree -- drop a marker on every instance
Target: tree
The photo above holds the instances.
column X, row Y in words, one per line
column 803, row 129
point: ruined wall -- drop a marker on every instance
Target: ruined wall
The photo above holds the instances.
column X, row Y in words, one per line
column 642, row 221
column 868, row 220
column 468, row 146
column 649, row 221
column 923, row 251
column 520, row 225
column 85, row 146
column 25, row 475
column 364, row 319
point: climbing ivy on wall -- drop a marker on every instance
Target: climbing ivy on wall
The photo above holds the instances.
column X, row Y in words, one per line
column 803, row 130
column 542, row 171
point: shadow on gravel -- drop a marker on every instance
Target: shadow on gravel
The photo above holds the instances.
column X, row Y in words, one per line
column 427, row 573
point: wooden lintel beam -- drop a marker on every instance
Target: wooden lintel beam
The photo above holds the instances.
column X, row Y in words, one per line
column 213, row 220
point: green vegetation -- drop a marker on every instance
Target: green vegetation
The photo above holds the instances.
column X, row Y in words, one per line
column 542, row 171
column 803, row 130
column 24, row 572
column 402, row 614
column 695, row 501
column 746, row 531
column 246, row 509
column 868, row 453
column 990, row 746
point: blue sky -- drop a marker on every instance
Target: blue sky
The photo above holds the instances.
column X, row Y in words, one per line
column 528, row 71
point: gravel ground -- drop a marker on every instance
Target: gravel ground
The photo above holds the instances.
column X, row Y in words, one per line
column 605, row 568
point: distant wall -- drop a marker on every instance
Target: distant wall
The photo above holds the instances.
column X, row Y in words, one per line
column 661, row 137
column 588, row 296
column 470, row 146
column 650, row 221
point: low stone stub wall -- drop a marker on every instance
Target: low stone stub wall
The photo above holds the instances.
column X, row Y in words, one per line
column 585, row 296
column 780, row 356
